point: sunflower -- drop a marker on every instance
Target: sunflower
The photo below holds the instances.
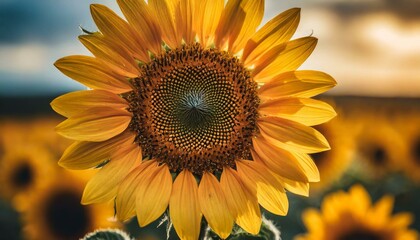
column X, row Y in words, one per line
column 191, row 107
column 351, row 216
column 22, row 172
column 56, row 212
column 379, row 147
column 407, row 126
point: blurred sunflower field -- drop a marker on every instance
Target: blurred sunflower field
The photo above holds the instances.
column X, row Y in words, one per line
column 370, row 179
column 375, row 143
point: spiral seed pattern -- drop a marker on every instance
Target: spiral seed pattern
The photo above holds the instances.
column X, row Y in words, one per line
column 194, row 109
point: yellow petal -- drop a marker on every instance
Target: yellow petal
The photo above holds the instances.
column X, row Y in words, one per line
column 270, row 192
column 117, row 59
column 313, row 220
column 292, row 135
column 283, row 58
column 296, row 187
column 208, row 16
column 84, row 155
column 297, row 84
column 139, row 15
column 360, row 197
column 153, row 193
column 307, row 165
column 383, row 207
column 163, row 12
column 184, row 207
column 213, row 205
column 73, row 103
column 95, row 125
column 242, row 201
column 103, row 186
column 278, row 160
column 401, row 220
column 184, row 18
column 278, row 30
column 254, row 12
column 230, row 23
column 125, row 202
column 116, row 28
column 380, row 213
column 306, row 111
column 409, row 235
column 92, row 73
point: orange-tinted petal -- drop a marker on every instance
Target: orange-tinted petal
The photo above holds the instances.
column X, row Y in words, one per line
column 242, row 201
column 213, row 205
column 254, row 12
column 278, row 30
column 73, row 103
column 103, row 186
column 153, row 193
column 296, row 187
column 92, row 73
column 184, row 19
column 84, row 155
column 116, row 58
column 125, row 202
column 297, row 84
column 302, row 110
column 270, row 191
column 278, row 160
column 308, row 166
column 230, row 23
column 95, row 125
column 163, row 12
column 283, row 58
column 113, row 27
column 292, row 135
column 208, row 16
column 184, row 207
column 139, row 15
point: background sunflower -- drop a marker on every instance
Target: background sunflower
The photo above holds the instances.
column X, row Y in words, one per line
column 370, row 47
column 56, row 212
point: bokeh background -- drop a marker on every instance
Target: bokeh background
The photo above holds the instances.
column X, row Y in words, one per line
column 371, row 47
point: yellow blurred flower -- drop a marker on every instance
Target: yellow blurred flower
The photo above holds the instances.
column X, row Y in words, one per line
column 352, row 216
column 194, row 89
column 379, row 147
column 407, row 125
column 23, row 170
column 56, row 211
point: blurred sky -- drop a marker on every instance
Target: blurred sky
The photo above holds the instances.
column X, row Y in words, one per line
column 371, row 47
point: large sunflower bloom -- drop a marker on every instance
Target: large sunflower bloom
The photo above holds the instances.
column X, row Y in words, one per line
column 352, row 216
column 191, row 107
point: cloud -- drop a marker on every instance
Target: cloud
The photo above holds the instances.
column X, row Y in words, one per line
column 372, row 54
column 404, row 9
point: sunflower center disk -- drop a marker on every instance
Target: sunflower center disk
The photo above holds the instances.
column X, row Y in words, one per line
column 194, row 109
